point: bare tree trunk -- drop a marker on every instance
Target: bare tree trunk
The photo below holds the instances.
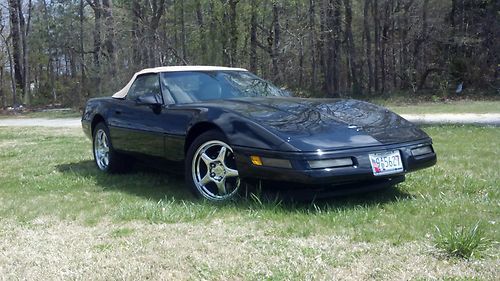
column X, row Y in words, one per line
column 11, row 64
column 212, row 42
column 351, row 48
column 301, row 47
column 224, row 40
column 12, row 78
column 2, row 93
column 82, row 56
column 393, row 47
column 201, row 26
column 403, row 46
column 336, row 43
column 158, row 9
column 376, row 23
column 312, row 43
column 253, row 37
column 276, row 43
column 332, row 41
column 326, row 46
column 46, row 17
column 97, row 7
column 50, row 67
column 97, row 47
column 368, row 42
column 17, row 46
column 24, row 38
column 183, row 32
column 233, row 32
column 109, row 42
column 136, row 34
column 383, row 44
column 419, row 58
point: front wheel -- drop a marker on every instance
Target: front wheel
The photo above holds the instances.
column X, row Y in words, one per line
column 211, row 168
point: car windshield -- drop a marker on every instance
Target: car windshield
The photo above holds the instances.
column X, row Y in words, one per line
column 193, row 86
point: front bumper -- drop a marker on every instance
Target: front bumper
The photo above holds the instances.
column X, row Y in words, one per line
column 360, row 171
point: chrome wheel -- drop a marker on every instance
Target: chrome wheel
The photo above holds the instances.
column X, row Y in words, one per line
column 214, row 171
column 101, row 149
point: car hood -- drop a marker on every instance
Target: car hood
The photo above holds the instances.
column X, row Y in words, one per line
column 312, row 124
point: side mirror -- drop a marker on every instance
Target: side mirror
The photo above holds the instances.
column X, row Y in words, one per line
column 150, row 99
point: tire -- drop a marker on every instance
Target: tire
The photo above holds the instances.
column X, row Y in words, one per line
column 211, row 171
column 105, row 157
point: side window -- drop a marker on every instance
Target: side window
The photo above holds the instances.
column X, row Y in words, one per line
column 144, row 84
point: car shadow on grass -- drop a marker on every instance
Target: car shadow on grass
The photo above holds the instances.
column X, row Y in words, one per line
column 312, row 203
column 157, row 185
column 142, row 181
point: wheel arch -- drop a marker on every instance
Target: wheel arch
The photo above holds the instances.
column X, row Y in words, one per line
column 96, row 120
column 198, row 129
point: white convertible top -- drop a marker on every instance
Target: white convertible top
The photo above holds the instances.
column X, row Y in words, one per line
column 123, row 92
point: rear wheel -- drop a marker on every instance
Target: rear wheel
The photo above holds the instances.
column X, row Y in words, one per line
column 105, row 157
column 211, row 168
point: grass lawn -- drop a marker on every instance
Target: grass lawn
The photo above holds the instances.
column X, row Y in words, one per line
column 62, row 219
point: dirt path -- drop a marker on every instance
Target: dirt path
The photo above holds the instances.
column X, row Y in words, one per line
column 465, row 118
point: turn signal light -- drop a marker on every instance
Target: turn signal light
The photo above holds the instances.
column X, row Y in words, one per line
column 271, row 162
column 256, row 160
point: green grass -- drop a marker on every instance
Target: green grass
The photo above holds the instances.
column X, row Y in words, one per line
column 462, row 242
column 49, row 172
column 445, row 107
column 53, row 196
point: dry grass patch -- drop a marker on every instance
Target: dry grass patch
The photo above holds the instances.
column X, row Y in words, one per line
column 50, row 249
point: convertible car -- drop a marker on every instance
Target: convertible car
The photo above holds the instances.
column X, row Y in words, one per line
column 226, row 125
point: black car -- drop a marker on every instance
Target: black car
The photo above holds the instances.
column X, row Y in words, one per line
column 224, row 125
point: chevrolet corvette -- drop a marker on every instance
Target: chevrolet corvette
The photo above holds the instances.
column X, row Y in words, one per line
column 226, row 125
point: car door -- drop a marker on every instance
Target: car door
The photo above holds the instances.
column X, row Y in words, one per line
column 136, row 127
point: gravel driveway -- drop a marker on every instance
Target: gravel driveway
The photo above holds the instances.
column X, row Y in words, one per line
column 465, row 118
column 453, row 118
column 40, row 122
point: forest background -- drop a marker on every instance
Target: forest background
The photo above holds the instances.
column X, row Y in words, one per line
column 64, row 52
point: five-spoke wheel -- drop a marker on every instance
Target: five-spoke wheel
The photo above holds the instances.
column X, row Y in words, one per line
column 106, row 158
column 101, row 149
column 212, row 165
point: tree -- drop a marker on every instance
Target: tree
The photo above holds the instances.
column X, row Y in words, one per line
column 109, row 42
column 16, row 37
column 351, row 49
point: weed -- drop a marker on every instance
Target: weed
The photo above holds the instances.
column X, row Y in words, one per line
column 462, row 242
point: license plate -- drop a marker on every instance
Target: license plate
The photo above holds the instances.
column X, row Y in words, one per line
column 386, row 163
